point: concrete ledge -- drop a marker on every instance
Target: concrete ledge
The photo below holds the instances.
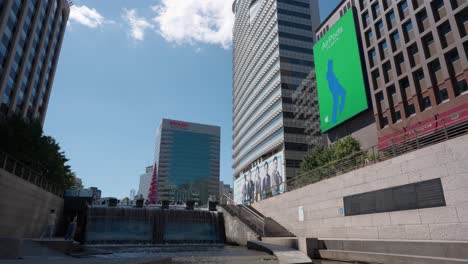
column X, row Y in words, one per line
column 283, row 254
column 352, row 256
column 308, row 246
column 158, row 261
column 291, row 242
column 9, row 248
column 60, row 245
column 438, row 249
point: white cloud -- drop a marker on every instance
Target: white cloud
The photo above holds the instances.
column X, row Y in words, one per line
column 86, row 16
column 138, row 25
column 195, row 21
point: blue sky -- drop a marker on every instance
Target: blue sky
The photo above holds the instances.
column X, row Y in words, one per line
column 123, row 67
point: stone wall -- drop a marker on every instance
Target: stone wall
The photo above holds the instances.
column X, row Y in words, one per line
column 236, row 232
column 323, row 201
column 24, row 207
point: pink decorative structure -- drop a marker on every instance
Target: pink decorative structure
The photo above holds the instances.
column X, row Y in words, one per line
column 153, row 189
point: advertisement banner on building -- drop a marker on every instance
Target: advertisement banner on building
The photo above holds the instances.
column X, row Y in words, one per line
column 262, row 181
column 340, row 80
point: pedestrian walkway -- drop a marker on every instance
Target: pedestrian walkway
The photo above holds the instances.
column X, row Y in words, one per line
column 285, row 255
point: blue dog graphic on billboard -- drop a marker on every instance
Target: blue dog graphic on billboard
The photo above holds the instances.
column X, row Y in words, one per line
column 338, row 92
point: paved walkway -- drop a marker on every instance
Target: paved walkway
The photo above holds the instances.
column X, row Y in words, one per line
column 35, row 254
column 285, row 255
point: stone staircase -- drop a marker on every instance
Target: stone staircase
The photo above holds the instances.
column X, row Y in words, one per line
column 258, row 223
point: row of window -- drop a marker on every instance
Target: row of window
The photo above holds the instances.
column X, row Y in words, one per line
column 425, row 102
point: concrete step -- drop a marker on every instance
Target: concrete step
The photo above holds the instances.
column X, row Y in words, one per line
column 438, row 249
column 384, row 258
column 284, row 254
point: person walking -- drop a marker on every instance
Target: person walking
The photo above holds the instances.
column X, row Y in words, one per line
column 71, row 229
column 50, row 225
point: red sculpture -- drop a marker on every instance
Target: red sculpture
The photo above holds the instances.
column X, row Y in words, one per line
column 153, row 189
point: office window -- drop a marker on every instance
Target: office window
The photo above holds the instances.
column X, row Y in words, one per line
column 384, row 121
column 390, row 19
column 410, row 110
column 366, row 19
column 404, row 5
column 408, row 26
column 426, row 102
column 373, row 53
column 462, row 20
column 461, row 87
column 397, row 116
column 378, row 28
column 443, row 95
column 376, row 9
column 419, row 75
column 437, row 4
column 396, row 36
column 379, row 97
column 404, row 83
column 383, row 45
column 399, row 59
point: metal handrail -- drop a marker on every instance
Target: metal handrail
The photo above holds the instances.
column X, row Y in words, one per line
column 401, row 144
column 245, row 207
column 21, row 170
column 259, row 224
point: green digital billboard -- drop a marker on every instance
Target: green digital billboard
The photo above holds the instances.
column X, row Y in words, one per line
column 340, row 81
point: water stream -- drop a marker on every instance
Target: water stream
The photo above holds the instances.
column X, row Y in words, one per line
column 126, row 225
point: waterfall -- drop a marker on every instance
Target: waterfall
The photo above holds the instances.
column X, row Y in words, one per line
column 126, row 225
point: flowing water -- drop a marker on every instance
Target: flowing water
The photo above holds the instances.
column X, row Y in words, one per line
column 125, row 225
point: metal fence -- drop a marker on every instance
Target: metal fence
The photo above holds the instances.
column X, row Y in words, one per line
column 255, row 221
column 22, row 171
column 396, row 146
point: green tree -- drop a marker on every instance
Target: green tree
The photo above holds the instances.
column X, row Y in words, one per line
column 26, row 142
column 322, row 162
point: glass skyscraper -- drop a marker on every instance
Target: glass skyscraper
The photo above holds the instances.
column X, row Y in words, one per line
column 31, row 33
column 272, row 55
column 187, row 156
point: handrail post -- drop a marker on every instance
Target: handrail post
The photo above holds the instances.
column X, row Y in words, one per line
column 13, row 171
column 4, row 161
column 445, row 129
column 417, row 139
column 393, row 147
column 373, row 154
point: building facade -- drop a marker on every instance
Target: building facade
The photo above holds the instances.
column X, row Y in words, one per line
column 225, row 193
column 31, row 33
column 307, row 109
column 145, row 180
column 272, row 54
column 362, row 126
column 96, row 194
column 415, row 56
column 187, row 156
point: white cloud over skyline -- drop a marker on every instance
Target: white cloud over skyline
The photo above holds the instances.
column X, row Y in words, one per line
column 195, row 21
column 137, row 24
column 86, row 16
column 181, row 22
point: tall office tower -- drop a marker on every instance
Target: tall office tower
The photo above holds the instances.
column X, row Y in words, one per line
column 415, row 56
column 187, row 156
column 31, row 33
column 306, row 108
column 145, row 180
column 272, row 54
